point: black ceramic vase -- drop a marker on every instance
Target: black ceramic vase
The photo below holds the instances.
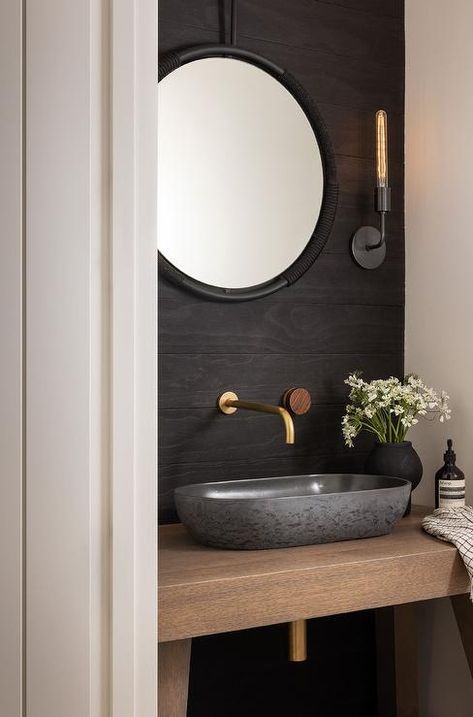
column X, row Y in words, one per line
column 396, row 459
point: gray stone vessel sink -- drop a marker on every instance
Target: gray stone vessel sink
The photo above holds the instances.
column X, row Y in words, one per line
column 294, row 510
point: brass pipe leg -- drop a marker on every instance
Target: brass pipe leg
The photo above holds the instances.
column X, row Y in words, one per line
column 298, row 641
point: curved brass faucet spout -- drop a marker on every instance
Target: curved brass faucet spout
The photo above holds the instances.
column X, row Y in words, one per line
column 228, row 403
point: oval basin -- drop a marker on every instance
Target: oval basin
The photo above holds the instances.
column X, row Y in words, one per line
column 282, row 512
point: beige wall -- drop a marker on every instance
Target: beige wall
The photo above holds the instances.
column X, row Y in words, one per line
column 11, row 398
column 439, row 285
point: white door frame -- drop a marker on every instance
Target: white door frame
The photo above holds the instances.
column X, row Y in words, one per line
column 79, row 375
column 134, row 347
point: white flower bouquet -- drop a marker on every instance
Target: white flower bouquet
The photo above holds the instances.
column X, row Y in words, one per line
column 389, row 407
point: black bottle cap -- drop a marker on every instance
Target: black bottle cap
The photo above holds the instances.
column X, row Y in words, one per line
column 449, row 456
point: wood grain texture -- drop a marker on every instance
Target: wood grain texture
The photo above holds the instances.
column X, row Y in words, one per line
column 347, row 221
column 190, row 325
column 202, row 432
column 386, row 8
column 297, row 400
column 204, row 590
column 195, row 380
column 209, row 13
column 322, row 26
column 335, row 79
column 396, row 646
column 329, row 78
column 335, row 279
column 173, row 678
column 351, row 131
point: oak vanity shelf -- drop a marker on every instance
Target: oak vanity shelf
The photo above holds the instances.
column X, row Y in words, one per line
column 204, row 591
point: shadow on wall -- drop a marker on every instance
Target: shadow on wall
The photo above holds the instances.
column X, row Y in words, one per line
column 255, row 678
column 445, row 666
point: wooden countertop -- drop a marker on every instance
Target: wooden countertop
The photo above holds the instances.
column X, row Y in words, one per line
column 203, row 590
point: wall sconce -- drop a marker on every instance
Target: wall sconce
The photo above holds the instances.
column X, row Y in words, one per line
column 368, row 246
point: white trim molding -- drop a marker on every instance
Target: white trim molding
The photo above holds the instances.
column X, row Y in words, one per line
column 134, row 348
column 67, row 349
column 90, row 286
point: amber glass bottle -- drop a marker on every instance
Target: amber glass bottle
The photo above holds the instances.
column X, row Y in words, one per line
column 449, row 482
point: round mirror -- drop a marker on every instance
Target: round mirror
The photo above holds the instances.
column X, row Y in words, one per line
column 243, row 165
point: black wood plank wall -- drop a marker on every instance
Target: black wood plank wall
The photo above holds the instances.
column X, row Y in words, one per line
column 349, row 55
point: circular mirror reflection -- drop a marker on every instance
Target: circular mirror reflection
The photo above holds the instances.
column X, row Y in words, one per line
column 240, row 178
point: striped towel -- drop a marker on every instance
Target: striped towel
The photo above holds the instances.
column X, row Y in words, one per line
column 454, row 525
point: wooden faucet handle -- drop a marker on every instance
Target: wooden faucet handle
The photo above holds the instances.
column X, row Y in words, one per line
column 297, row 401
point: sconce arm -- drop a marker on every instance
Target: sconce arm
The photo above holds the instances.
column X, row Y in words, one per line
column 382, row 233
column 383, row 204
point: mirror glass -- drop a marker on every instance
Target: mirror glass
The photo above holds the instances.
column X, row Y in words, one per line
column 240, row 181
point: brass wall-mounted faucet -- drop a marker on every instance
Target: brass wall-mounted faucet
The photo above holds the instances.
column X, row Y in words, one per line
column 295, row 400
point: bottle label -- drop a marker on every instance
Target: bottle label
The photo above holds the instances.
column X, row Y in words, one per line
column 451, row 493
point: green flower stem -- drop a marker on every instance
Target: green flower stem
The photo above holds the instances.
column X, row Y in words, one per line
column 380, row 426
column 372, row 429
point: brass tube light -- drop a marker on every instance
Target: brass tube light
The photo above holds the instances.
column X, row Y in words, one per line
column 381, row 148
column 368, row 245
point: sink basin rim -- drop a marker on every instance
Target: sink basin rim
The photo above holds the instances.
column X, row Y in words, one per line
column 193, row 490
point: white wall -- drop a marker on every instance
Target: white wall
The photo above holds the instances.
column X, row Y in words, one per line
column 67, row 476
column 439, row 284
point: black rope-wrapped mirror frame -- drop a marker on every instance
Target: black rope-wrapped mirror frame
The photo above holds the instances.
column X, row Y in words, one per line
column 172, row 61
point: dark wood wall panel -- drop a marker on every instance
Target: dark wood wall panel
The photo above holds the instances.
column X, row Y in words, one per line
column 320, row 26
column 351, row 131
column 339, row 26
column 380, row 8
column 332, row 79
column 196, row 434
column 334, row 279
column 275, row 326
column 349, row 55
column 194, row 380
